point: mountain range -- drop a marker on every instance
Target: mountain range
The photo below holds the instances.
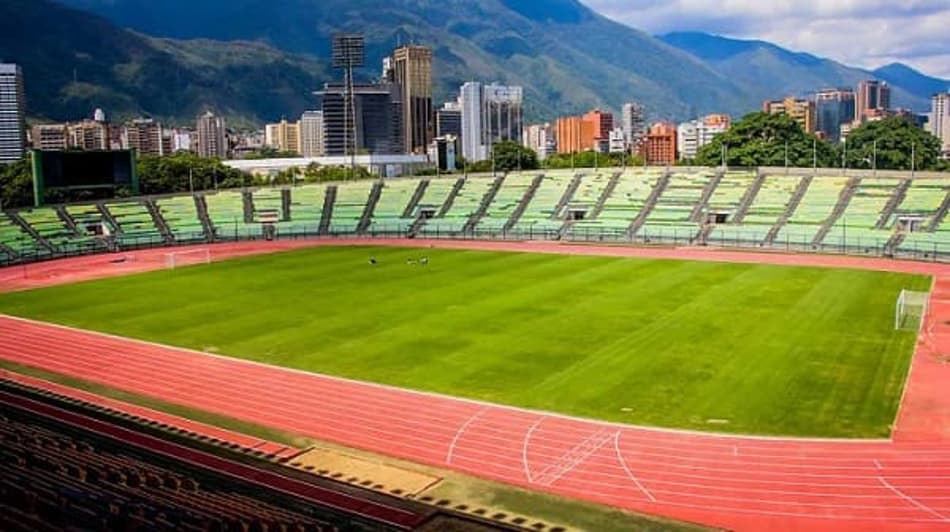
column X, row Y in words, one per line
column 258, row 60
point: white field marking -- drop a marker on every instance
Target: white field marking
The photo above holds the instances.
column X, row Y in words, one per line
column 877, row 464
column 913, row 501
column 461, row 430
column 539, row 412
column 524, row 449
column 574, row 457
column 735, row 450
column 626, row 469
column 913, row 359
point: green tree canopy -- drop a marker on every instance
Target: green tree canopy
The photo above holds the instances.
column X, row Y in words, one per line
column 890, row 143
column 177, row 173
column 759, row 139
column 510, row 155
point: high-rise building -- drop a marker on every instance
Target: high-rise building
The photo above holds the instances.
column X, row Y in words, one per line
column 617, row 142
column 50, row 137
column 283, row 136
column 693, row 135
column 574, row 134
column 872, row 100
column 212, row 136
column 448, row 120
column 940, row 119
column 542, row 139
column 802, row 111
column 378, row 119
column 601, row 123
column 660, row 144
column 834, row 107
column 412, row 71
column 311, row 134
column 89, row 135
column 633, row 124
column 490, row 113
column 145, row 136
column 12, row 113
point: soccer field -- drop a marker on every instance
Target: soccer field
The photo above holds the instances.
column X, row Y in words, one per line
column 741, row 348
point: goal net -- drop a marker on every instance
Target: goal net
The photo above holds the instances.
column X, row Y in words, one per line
column 910, row 310
column 178, row 259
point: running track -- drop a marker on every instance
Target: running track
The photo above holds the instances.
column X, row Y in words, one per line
column 728, row 481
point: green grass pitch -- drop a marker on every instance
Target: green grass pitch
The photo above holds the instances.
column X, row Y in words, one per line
column 726, row 347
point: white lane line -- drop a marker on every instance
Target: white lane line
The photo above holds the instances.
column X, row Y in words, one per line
column 461, row 430
column 735, row 450
column 913, row 501
column 630, row 474
column 524, row 449
column 877, row 464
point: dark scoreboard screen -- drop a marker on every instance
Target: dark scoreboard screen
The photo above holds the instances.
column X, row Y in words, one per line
column 64, row 169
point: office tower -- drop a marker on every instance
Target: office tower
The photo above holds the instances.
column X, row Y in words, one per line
column 872, row 99
column 412, row 71
column 311, row 134
column 470, row 99
column 212, row 137
column 490, row 113
column 659, row 146
column 448, row 120
column 834, row 107
column 145, row 136
column 377, row 109
column 633, row 124
column 802, row 111
column 283, row 136
column 940, row 119
column 601, row 123
column 572, row 131
column 12, row 113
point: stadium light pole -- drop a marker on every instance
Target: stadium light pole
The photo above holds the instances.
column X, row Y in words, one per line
column 786, row 156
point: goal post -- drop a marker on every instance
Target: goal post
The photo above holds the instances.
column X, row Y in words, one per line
column 910, row 310
column 178, row 259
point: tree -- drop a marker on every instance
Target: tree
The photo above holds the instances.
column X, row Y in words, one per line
column 16, row 184
column 589, row 159
column 510, row 155
column 183, row 171
column 889, row 144
column 760, row 139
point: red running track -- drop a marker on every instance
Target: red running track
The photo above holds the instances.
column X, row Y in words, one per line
column 736, row 482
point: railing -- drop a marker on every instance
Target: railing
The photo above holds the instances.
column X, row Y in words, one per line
column 790, row 241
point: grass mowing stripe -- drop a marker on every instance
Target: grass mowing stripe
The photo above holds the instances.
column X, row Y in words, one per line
column 774, row 350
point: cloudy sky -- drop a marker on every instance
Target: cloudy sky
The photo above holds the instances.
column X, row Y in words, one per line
column 866, row 33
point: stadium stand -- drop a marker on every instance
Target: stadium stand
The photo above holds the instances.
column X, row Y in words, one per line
column 53, row 230
column 393, row 200
column 510, row 194
column 351, row 200
column 181, row 217
column 541, row 214
column 769, row 205
column 927, row 202
column 16, row 241
column 67, row 465
column 267, row 201
column 671, row 219
column 816, row 207
column 135, row 223
column 306, row 210
column 226, row 211
column 465, row 205
column 857, row 225
column 622, row 206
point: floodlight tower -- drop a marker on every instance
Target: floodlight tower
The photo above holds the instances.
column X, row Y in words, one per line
column 349, row 52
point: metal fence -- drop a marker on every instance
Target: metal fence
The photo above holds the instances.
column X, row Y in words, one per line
column 674, row 236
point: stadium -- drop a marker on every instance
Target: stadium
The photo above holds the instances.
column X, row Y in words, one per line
column 725, row 348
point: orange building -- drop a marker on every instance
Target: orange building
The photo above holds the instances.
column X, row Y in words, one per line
column 583, row 133
column 717, row 120
column 659, row 146
column 601, row 124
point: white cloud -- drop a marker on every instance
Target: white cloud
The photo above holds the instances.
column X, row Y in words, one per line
column 866, row 33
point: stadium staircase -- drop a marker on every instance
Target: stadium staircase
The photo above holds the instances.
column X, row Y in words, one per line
column 107, row 216
column 843, row 200
column 15, row 217
column 416, row 198
column 8, row 251
column 941, row 214
column 747, row 200
column 451, row 199
column 654, row 196
column 328, row 200
column 890, row 248
column 248, row 201
column 202, row 207
column 696, row 215
column 568, row 194
column 285, row 201
column 483, row 206
column 899, row 194
column 367, row 216
column 158, row 220
column 519, row 210
column 67, row 219
column 608, row 191
column 793, row 203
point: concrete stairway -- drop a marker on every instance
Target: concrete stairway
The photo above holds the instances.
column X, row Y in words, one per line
column 449, row 201
column 567, row 196
column 483, row 206
column 416, row 198
column 793, row 203
column 843, row 200
column 158, row 220
column 367, row 216
column 747, row 199
column 648, row 206
column 328, row 200
column 941, row 214
column 202, row 206
column 107, row 216
column 608, row 191
column 29, row 230
column 523, row 204
column 892, row 204
column 248, row 201
column 68, row 220
column 700, row 206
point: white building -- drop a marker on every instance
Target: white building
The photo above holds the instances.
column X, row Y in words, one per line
column 12, row 114
column 212, row 136
column 541, row 138
column 311, row 134
column 693, row 135
column 617, row 141
column 633, row 124
column 940, row 120
column 490, row 113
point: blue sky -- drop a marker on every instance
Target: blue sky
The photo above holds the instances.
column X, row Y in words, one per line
column 865, row 33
